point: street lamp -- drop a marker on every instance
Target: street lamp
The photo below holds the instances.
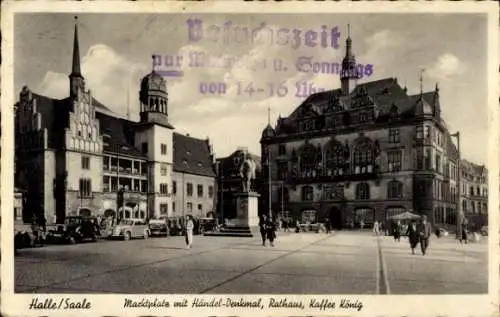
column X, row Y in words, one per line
column 459, row 212
column 269, row 180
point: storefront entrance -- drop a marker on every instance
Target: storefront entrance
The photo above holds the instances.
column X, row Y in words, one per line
column 335, row 217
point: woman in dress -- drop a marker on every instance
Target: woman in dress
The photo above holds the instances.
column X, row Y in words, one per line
column 271, row 231
column 413, row 236
column 189, row 231
column 397, row 231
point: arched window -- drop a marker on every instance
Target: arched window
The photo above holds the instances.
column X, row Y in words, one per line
column 307, row 193
column 362, row 191
column 308, row 161
column 335, row 157
column 394, row 189
column 363, row 157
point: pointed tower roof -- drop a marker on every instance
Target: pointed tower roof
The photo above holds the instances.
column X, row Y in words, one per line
column 268, row 131
column 75, row 68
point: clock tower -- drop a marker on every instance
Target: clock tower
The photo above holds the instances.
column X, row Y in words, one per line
column 154, row 99
column 154, row 136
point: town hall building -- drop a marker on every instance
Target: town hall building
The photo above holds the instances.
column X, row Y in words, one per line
column 76, row 157
column 361, row 153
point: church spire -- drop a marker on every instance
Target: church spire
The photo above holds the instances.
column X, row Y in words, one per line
column 349, row 73
column 348, row 42
column 76, row 81
column 75, row 69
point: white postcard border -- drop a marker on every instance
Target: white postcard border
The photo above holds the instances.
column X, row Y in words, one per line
column 394, row 305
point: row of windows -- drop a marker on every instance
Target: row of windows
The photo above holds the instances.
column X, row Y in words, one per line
column 189, row 190
column 336, row 164
column 394, row 137
column 474, row 207
column 189, row 208
column 394, row 191
column 476, row 192
column 144, row 148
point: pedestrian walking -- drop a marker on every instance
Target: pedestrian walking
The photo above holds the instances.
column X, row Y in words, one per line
column 424, row 230
column 327, row 225
column 396, row 231
column 413, row 236
column 362, row 224
column 297, row 226
column 262, row 227
column 465, row 234
column 189, row 231
column 271, row 231
column 285, row 225
column 376, row 227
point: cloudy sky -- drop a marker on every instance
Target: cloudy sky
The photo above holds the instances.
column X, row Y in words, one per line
column 116, row 52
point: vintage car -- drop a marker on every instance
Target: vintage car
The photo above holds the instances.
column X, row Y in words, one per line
column 131, row 228
column 483, row 231
column 158, row 227
column 75, row 229
column 207, row 224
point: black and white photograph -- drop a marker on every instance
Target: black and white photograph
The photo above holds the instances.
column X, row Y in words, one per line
column 189, row 158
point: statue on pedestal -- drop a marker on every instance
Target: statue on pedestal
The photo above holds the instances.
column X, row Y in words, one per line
column 247, row 173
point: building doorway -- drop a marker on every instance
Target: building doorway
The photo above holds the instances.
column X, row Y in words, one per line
column 335, row 217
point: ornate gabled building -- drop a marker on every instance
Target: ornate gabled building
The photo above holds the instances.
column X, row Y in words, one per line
column 361, row 153
column 76, row 157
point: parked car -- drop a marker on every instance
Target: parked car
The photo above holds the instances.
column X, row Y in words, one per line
column 207, row 224
column 158, row 227
column 131, row 228
column 484, row 230
column 441, row 232
column 25, row 238
column 74, row 230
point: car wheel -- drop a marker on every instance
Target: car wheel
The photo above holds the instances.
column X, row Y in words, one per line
column 126, row 237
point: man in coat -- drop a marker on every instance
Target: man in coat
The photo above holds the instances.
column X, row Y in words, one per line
column 425, row 231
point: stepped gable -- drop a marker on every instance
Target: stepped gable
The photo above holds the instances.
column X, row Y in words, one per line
column 192, row 156
column 55, row 115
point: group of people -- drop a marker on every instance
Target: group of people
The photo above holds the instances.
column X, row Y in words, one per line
column 267, row 230
column 417, row 233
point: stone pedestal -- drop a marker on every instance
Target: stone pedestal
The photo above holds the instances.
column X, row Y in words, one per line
column 247, row 207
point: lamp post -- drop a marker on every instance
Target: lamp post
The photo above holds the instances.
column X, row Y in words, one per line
column 269, row 180
column 459, row 212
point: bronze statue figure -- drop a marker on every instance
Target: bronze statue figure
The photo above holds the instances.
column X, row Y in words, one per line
column 247, row 173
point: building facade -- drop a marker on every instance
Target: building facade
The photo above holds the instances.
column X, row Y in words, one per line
column 474, row 194
column 194, row 179
column 76, row 157
column 362, row 153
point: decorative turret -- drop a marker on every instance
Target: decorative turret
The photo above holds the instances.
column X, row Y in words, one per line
column 77, row 83
column 154, row 99
column 268, row 132
column 349, row 74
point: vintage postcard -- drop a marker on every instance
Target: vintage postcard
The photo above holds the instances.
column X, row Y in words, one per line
column 249, row 159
